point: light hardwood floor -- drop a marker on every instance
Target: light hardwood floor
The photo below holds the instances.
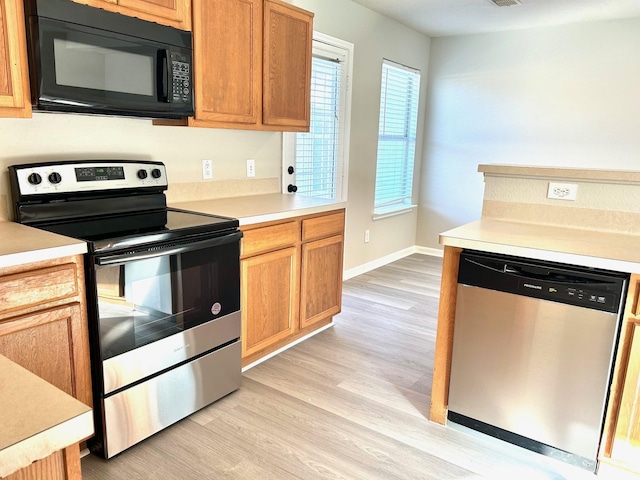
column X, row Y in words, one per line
column 350, row 403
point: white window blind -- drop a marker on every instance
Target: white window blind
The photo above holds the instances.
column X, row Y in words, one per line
column 317, row 151
column 396, row 137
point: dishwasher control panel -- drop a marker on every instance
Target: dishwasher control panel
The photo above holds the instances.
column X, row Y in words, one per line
column 569, row 284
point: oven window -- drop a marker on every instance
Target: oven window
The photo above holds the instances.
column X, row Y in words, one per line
column 141, row 301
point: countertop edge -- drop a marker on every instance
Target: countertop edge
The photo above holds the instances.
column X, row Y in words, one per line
column 462, row 237
column 45, row 443
column 31, row 256
column 270, row 217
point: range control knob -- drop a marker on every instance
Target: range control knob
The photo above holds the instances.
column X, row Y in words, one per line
column 55, row 178
column 34, row 179
column 142, row 174
column 156, row 173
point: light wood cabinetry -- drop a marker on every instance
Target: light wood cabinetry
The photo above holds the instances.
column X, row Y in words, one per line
column 174, row 13
column 252, row 65
column 43, row 324
column 321, row 268
column 621, row 441
column 43, row 328
column 14, row 76
column 291, row 280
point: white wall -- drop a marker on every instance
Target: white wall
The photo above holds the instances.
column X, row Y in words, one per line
column 374, row 37
column 561, row 96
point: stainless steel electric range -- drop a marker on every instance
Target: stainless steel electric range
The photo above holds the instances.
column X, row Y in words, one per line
column 163, row 291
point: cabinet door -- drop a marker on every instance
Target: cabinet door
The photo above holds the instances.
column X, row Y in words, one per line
column 288, row 35
column 626, row 443
column 227, row 37
column 53, row 345
column 268, row 299
column 174, row 13
column 321, row 280
column 14, row 79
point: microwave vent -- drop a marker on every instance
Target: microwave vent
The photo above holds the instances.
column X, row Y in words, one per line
column 506, row 3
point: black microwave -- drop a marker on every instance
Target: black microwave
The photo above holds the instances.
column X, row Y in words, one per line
column 84, row 59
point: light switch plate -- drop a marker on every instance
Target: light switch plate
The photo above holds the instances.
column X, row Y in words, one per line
column 207, row 169
column 251, row 167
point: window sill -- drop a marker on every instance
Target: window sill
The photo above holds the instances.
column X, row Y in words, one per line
column 392, row 212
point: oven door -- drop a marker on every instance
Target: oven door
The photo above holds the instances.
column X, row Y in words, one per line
column 164, row 305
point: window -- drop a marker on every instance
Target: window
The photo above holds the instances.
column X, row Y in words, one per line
column 316, row 161
column 396, row 138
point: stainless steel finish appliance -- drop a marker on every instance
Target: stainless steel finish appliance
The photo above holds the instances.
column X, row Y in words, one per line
column 87, row 60
column 533, row 351
column 163, row 291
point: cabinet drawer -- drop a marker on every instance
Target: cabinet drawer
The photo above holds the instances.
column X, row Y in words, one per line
column 318, row 227
column 36, row 287
column 264, row 239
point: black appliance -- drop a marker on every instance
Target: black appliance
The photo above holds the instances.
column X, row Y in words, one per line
column 163, row 291
column 84, row 59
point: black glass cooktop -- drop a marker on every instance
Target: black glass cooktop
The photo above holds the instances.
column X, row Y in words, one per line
column 115, row 232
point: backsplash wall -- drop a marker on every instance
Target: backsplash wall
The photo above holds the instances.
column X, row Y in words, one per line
column 49, row 136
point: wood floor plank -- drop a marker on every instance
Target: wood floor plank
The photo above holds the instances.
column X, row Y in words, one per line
column 349, row 403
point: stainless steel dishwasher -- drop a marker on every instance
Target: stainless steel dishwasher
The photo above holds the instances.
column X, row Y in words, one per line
column 533, row 349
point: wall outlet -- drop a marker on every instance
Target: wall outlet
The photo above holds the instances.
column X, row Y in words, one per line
column 207, row 169
column 366, row 236
column 562, row 191
column 251, row 167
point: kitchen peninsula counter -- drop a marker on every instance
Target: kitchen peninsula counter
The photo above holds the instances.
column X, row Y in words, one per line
column 261, row 208
column 22, row 244
column 589, row 248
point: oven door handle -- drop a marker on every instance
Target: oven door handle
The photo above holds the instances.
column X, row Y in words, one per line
column 170, row 250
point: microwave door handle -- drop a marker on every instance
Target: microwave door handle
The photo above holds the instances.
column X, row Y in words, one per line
column 171, row 250
column 163, row 76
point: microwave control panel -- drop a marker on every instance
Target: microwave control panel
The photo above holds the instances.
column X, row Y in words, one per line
column 181, row 74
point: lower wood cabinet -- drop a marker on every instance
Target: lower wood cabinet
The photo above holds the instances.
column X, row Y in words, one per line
column 291, row 280
column 621, row 441
column 43, row 325
column 43, row 328
column 321, row 280
column 269, row 286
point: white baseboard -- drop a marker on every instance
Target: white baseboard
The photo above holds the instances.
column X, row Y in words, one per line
column 287, row 346
column 392, row 257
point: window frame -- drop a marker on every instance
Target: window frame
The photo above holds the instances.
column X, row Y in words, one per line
column 329, row 47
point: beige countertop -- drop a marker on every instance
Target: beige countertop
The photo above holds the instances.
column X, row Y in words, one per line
column 611, row 251
column 36, row 418
column 21, row 244
column 261, row 208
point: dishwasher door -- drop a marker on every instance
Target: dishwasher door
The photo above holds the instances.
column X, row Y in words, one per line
column 529, row 370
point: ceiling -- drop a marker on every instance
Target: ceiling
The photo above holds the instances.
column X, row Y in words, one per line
column 437, row 18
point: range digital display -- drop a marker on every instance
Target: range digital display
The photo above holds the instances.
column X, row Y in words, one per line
column 92, row 174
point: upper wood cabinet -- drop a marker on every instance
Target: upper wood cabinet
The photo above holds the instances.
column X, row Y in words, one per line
column 14, row 77
column 252, row 65
column 174, row 13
